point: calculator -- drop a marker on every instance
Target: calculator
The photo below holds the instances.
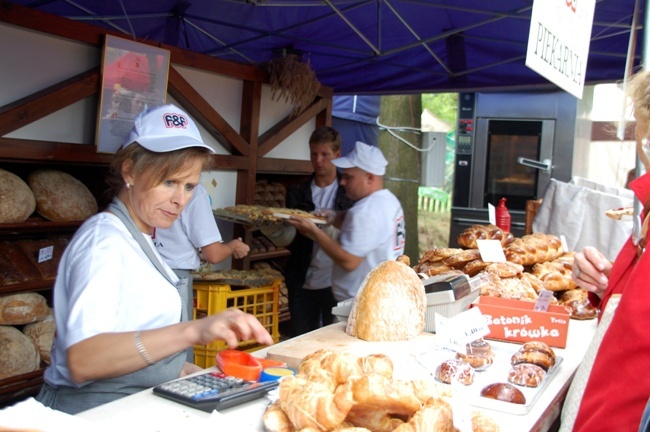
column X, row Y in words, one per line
column 213, row 390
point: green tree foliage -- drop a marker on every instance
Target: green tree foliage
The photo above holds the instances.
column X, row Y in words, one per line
column 442, row 105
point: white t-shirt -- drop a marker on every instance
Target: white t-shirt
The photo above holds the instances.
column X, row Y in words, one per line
column 319, row 273
column 106, row 283
column 194, row 228
column 373, row 228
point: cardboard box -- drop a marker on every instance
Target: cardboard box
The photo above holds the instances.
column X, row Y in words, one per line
column 517, row 321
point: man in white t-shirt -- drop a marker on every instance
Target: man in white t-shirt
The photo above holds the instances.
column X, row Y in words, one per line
column 372, row 230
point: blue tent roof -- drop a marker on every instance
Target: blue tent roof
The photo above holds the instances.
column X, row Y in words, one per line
column 365, row 46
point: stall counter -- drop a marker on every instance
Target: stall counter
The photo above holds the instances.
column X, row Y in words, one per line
column 147, row 412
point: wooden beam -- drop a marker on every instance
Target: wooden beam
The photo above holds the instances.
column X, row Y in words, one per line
column 249, row 129
column 18, row 150
column 47, row 101
column 289, row 166
column 55, row 25
column 208, row 117
column 285, row 127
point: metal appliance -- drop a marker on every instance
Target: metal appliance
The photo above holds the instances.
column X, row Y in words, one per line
column 509, row 145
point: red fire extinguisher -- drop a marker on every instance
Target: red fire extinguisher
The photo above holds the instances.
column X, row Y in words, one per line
column 503, row 216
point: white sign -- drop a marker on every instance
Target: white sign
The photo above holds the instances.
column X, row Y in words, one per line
column 558, row 42
column 456, row 332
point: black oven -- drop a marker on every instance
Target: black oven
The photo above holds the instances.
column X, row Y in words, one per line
column 509, row 145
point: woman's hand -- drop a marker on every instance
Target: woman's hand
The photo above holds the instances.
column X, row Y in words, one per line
column 232, row 326
column 590, row 270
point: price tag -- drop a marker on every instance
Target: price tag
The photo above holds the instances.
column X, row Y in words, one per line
column 456, row 332
column 543, row 300
column 491, row 250
column 45, row 254
column 565, row 248
column 492, row 214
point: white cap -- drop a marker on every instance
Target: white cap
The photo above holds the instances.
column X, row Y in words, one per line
column 165, row 128
column 364, row 156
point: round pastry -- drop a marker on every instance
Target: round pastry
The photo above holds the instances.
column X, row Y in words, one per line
column 535, row 352
column 526, row 374
column 17, row 200
column 455, row 369
column 577, row 299
column 504, row 392
column 479, row 354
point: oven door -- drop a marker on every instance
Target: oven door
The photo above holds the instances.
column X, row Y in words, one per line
column 512, row 160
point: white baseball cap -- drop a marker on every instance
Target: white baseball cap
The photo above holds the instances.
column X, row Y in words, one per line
column 165, row 128
column 364, row 156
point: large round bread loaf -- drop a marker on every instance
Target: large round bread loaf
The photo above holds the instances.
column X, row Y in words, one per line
column 17, row 201
column 42, row 334
column 60, row 197
column 23, row 308
column 18, row 354
column 390, row 304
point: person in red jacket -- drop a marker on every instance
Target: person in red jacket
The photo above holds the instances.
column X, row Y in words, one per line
column 618, row 385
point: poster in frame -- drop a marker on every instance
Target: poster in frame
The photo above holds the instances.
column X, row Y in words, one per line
column 134, row 78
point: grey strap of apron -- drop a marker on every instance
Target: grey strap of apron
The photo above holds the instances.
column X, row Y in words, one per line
column 118, row 208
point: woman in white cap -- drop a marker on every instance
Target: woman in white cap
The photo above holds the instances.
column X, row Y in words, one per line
column 120, row 310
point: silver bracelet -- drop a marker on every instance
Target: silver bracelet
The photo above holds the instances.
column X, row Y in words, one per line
column 141, row 349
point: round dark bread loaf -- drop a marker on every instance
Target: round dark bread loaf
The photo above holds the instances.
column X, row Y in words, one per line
column 17, row 201
column 60, row 197
column 504, row 392
column 42, row 334
column 18, row 354
column 22, row 308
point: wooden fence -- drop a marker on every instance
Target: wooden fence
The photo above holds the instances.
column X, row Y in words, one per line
column 434, row 200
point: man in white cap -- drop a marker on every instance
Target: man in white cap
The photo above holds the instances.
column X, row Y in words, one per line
column 372, row 231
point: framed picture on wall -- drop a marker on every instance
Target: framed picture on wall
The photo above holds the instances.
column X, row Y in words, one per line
column 134, row 78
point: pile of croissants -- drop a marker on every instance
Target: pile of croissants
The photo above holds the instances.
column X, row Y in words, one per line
column 338, row 391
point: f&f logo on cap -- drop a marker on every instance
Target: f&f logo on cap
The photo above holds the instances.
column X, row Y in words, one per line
column 173, row 120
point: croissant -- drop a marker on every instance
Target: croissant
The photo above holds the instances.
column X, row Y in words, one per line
column 435, row 415
column 309, row 404
column 380, row 393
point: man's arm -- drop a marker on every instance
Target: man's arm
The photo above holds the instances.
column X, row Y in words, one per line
column 330, row 246
column 216, row 252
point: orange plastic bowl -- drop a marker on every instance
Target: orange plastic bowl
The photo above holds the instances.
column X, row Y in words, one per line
column 239, row 364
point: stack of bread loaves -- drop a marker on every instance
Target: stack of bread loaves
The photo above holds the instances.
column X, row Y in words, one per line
column 533, row 262
column 26, row 333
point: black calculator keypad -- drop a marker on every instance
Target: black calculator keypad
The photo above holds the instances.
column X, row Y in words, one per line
column 213, row 390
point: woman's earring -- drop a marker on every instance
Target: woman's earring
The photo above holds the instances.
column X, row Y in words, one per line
column 128, row 185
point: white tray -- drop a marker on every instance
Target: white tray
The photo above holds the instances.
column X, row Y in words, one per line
column 495, row 373
column 314, row 220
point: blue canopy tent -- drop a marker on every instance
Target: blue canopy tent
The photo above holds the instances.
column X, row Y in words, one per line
column 366, row 46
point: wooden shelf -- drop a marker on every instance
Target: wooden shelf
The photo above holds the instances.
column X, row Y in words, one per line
column 38, row 224
column 19, row 387
column 42, row 285
column 270, row 255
